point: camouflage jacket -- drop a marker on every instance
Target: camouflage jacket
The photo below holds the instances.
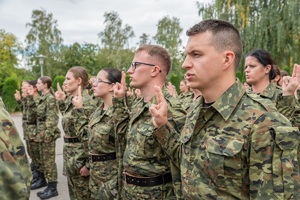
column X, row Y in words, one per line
column 143, row 155
column 31, row 115
column 14, row 167
column 75, row 124
column 240, row 147
column 186, row 100
column 47, row 118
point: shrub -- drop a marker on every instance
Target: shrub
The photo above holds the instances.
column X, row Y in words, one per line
column 10, row 86
column 57, row 79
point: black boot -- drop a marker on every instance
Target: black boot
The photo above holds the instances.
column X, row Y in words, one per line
column 50, row 191
column 39, row 182
column 34, row 171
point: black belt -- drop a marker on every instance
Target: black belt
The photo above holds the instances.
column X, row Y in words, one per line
column 71, row 140
column 42, row 119
column 148, row 181
column 105, row 157
column 31, row 123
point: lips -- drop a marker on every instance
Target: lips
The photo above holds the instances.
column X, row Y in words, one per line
column 189, row 76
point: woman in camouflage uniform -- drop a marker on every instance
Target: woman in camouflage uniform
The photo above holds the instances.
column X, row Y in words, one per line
column 104, row 139
column 186, row 96
column 76, row 112
column 47, row 133
column 259, row 70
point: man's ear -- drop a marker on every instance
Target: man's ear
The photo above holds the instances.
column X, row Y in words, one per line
column 155, row 71
column 229, row 58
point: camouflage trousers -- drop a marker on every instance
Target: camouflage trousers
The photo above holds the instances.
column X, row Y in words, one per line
column 48, row 160
column 164, row 191
column 79, row 188
column 36, row 156
column 103, row 176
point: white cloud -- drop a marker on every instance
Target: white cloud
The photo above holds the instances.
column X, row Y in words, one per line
column 81, row 21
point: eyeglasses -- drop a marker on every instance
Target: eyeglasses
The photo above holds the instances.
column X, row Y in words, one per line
column 134, row 65
column 100, row 81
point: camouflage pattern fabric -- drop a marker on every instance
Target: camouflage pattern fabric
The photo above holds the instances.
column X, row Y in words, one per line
column 144, row 156
column 284, row 104
column 48, row 132
column 14, row 167
column 186, row 99
column 240, row 147
column 102, row 141
column 75, row 124
column 33, row 147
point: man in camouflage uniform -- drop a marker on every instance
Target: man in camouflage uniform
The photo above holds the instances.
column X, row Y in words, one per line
column 14, row 167
column 148, row 172
column 234, row 145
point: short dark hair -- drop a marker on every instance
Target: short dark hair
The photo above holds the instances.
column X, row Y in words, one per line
column 159, row 53
column 265, row 58
column 224, row 36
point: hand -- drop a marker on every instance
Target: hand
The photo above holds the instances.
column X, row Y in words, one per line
column 138, row 93
column 59, row 94
column 17, row 95
column 172, row 90
column 84, row 171
column 120, row 88
column 159, row 112
column 77, row 100
column 290, row 84
column 30, row 90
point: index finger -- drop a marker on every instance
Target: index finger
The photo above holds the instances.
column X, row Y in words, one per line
column 58, row 87
column 123, row 79
column 159, row 95
column 79, row 91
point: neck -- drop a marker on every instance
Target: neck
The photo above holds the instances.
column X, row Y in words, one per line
column 149, row 92
column 107, row 101
column 260, row 86
column 212, row 93
column 46, row 91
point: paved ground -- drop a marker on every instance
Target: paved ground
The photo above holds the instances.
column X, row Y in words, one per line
column 62, row 180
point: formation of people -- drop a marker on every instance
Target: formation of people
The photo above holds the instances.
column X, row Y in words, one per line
column 215, row 140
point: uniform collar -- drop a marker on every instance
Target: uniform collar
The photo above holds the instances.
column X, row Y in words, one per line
column 229, row 100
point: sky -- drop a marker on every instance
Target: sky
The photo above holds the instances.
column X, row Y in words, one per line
column 82, row 20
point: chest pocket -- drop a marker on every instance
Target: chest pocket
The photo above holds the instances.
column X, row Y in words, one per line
column 145, row 141
column 224, row 160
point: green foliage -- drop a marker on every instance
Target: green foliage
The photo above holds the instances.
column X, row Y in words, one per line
column 57, row 79
column 175, row 80
column 272, row 25
column 44, row 38
column 9, row 88
column 9, row 46
column 168, row 35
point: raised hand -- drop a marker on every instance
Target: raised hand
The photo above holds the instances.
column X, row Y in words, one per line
column 291, row 83
column 159, row 111
column 120, row 88
column 17, row 95
column 172, row 90
column 30, row 90
column 59, row 94
column 77, row 100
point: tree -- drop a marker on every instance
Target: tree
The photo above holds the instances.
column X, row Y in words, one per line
column 44, row 38
column 115, row 38
column 144, row 39
column 9, row 88
column 168, row 35
column 269, row 24
column 9, row 46
column 84, row 55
